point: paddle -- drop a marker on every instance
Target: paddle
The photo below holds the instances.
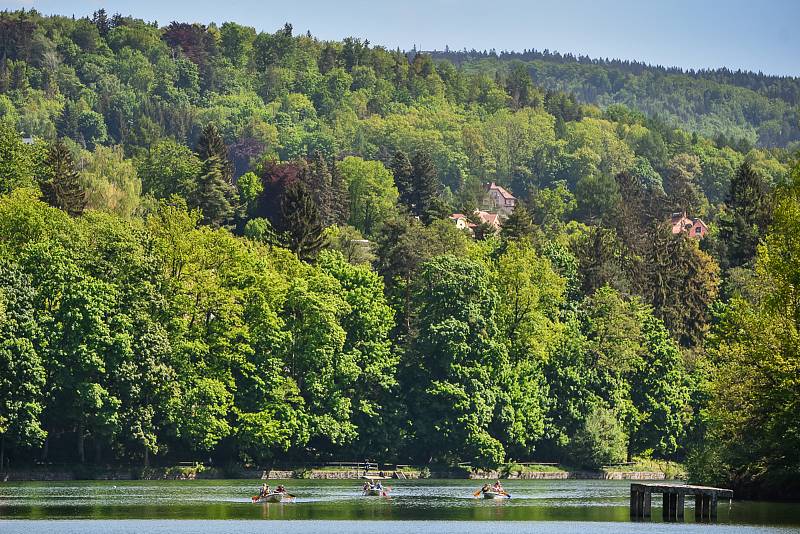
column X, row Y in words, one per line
column 477, row 492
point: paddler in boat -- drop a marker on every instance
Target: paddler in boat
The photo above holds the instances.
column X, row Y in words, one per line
column 280, row 489
column 264, row 490
column 485, row 488
column 498, row 488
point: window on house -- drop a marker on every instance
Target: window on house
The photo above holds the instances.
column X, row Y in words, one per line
column 698, row 230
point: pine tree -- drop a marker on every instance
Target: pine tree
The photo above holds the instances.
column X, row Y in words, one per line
column 320, row 185
column 302, row 222
column 340, row 197
column 746, row 218
column 213, row 194
column 100, row 20
column 427, row 204
column 62, row 189
column 682, row 283
column 211, row 144
column 681, row 184
column 519, row 224
column 403, row 178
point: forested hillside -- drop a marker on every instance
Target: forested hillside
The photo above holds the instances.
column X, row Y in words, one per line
column 731, row 107
column 221, row 243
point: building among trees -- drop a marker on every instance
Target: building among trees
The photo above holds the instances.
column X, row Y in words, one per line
column 498, row 200
column 692, row 227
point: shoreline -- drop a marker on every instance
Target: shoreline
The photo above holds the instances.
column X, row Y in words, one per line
column 201, row 473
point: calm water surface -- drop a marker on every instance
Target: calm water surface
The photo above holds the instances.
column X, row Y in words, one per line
column 439, row 506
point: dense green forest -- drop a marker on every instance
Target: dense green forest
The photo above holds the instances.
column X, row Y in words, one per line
column 731, row 107
column 221, row 243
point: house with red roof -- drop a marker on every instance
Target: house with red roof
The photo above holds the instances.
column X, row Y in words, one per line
column 694, row 228
column 463, row 223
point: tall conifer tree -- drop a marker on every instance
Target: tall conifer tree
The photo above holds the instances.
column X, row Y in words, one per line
column 403, row 178
column 302, row 222
column 62, row 189
column 210, row 145
column 340, row 196
column 519, row 224
column 213, row 194
column 746, row 218
column 427, row 204
column 320, row 185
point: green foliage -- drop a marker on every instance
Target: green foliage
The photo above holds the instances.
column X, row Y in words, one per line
column 600, row 440
column 751, row 418
column 518, row 225
column 458, row 363
column 61, row 186
column 23, row 376
column 213, row 194
column 16, row 167
column 169, row 168
column 748, row 218
column 302, row 222
column 157, row 313
column 371, row 191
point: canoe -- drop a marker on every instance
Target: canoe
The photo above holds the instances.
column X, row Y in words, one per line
column 373, row 492
column 272, row 497
column 495, row 495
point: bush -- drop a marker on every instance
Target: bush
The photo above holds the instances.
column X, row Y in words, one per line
column 600, row 441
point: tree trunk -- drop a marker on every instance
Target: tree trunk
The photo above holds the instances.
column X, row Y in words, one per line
column 2, row 452
column 46, row 447
column 98, row 451
column 146, row 457
column 81, row 442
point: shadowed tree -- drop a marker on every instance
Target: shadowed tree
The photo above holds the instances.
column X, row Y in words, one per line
column 318, row 180
column 403, row 178
column 519, row 224
column 746, row 219
column 302, row 222
column 214, row 195
column 426, row 201
column 62, row 189
column 211, row 145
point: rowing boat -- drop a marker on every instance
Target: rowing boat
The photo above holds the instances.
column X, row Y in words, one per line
column 495, row 495
column 372, row 490
column 272, row 497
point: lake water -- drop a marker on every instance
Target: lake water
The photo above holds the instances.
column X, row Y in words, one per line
column 438, row 506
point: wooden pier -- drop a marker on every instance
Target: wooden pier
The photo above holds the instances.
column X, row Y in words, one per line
column 674, row 496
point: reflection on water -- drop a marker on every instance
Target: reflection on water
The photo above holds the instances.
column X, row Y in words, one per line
column 377, row 527
column 552, row 504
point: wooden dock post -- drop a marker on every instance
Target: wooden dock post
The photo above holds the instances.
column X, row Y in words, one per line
column 674, row 501
column 713, row 507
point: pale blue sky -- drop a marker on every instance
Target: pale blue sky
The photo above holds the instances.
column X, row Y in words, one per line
column 750, row 34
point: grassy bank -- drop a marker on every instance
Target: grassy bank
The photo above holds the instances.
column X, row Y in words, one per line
column 641, row 469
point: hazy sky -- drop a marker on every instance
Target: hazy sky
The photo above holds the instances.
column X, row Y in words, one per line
column 750, row 34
